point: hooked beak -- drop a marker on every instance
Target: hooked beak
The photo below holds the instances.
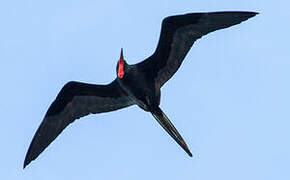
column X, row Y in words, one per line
column 121, row 55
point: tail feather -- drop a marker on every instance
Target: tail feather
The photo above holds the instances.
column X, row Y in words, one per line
column 163, row 120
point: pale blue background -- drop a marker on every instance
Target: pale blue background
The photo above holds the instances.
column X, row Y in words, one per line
column 229, row 100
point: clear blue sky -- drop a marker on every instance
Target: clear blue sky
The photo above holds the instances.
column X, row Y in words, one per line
column 229, row 100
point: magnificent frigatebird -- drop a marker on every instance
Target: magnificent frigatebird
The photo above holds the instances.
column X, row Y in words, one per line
column 137, row 84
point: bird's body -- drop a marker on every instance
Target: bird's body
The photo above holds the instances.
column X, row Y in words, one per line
column 140, row 88
column 137, row 84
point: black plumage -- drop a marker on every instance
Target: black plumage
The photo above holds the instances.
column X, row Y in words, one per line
column 137, row 84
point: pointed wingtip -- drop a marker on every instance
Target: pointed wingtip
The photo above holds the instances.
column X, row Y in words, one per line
column 24, row 165
column 246, row 14
column 26, row 162
column 254, row 13
column 251, row 14
column 28, row 158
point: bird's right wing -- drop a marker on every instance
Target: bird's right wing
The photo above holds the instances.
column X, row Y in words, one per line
column 75, row 100
column 178, row 33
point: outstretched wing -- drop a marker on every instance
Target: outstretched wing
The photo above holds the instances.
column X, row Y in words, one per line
column 75, row 100
column 178, row 33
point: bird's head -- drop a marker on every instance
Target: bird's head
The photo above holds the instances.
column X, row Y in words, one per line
column 121, row 66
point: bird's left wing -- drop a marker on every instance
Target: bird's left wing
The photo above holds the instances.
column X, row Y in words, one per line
column 178, row 33
column 75, row 100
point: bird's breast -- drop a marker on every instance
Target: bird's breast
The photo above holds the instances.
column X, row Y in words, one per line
column 141, row 90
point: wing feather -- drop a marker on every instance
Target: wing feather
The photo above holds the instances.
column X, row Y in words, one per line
column 178, row 34
column 75, row 100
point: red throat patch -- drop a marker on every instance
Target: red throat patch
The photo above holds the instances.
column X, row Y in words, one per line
column 121, row 66
column 121, row 69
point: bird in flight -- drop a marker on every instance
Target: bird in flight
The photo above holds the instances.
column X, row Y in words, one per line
column 137, row 84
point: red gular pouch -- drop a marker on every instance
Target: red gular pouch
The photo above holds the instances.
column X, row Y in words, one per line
column 121, row 66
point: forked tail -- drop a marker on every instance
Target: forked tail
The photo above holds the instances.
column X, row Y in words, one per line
column 163, row 120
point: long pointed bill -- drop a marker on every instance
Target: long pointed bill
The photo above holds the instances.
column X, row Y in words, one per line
column 170, row 129
column 121, row 66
